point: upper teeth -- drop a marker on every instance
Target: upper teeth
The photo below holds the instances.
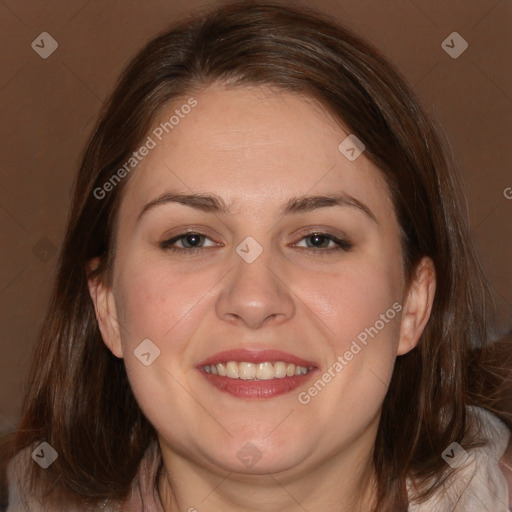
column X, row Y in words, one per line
column 261, row 371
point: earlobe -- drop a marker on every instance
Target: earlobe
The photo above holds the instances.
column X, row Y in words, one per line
column 105, row 310
column 417, row 306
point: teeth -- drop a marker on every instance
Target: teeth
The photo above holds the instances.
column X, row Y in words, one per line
column 246, row 371
column 265, row 371
column 280, row 370
column 221, row 370
column 258, row 371
column 232, row 370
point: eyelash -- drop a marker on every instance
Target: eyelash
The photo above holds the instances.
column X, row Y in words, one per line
column 342, row 245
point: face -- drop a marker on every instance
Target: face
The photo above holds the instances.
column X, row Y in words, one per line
column 318, row 285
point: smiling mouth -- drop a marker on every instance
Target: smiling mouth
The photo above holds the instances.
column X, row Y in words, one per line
column 256, row 371
column 258, row 374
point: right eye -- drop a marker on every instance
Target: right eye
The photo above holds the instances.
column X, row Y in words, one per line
column 190, row 241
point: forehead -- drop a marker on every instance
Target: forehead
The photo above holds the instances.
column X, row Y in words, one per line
column 254, row 146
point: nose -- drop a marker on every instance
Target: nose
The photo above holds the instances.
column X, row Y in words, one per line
column 256, row 293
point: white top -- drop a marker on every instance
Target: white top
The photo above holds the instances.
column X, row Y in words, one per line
column 479, row 485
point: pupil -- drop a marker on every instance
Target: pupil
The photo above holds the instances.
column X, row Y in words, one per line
column 192, row 237
column 317, row 238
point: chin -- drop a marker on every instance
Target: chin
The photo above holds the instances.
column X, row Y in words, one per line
column 258, row 456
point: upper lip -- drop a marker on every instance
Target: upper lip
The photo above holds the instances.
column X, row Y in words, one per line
column 256, row 356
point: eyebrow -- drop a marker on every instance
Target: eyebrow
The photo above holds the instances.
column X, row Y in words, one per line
column 212, row 203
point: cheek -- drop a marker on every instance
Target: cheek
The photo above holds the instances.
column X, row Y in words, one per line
column 361, row 308
column 162, row 305
column 156, row 301
column 352, row 301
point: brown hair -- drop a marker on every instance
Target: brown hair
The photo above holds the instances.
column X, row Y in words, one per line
column 78, row 397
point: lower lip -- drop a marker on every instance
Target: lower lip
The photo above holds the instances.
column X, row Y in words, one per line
column 257, row 389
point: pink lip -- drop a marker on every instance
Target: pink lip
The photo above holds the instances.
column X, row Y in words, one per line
column 257, row 389
column 255, row 356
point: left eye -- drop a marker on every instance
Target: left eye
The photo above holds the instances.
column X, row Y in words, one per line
column 320, row 238
column 191, row 242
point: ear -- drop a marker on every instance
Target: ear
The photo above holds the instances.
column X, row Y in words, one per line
column 105, row 309
column 417, row 305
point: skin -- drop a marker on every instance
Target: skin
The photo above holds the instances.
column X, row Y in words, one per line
column 258, row 148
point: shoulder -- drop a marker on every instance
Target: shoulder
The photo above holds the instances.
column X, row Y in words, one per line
column 143, row 495
column 16, row 469
column 479, row 483
column 19, row 499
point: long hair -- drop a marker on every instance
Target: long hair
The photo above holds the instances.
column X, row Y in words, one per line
column 78, row 397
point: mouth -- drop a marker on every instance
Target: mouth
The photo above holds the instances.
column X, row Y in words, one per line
column 258, row 374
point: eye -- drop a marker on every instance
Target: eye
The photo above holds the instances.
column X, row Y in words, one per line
column 191, row 242
column 320, row 242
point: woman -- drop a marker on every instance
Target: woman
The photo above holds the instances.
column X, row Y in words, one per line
column 267, row 296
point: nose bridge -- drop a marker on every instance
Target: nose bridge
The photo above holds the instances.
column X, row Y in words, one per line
column 255, row 292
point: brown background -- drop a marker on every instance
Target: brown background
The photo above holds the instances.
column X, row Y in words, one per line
column 49, row 105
